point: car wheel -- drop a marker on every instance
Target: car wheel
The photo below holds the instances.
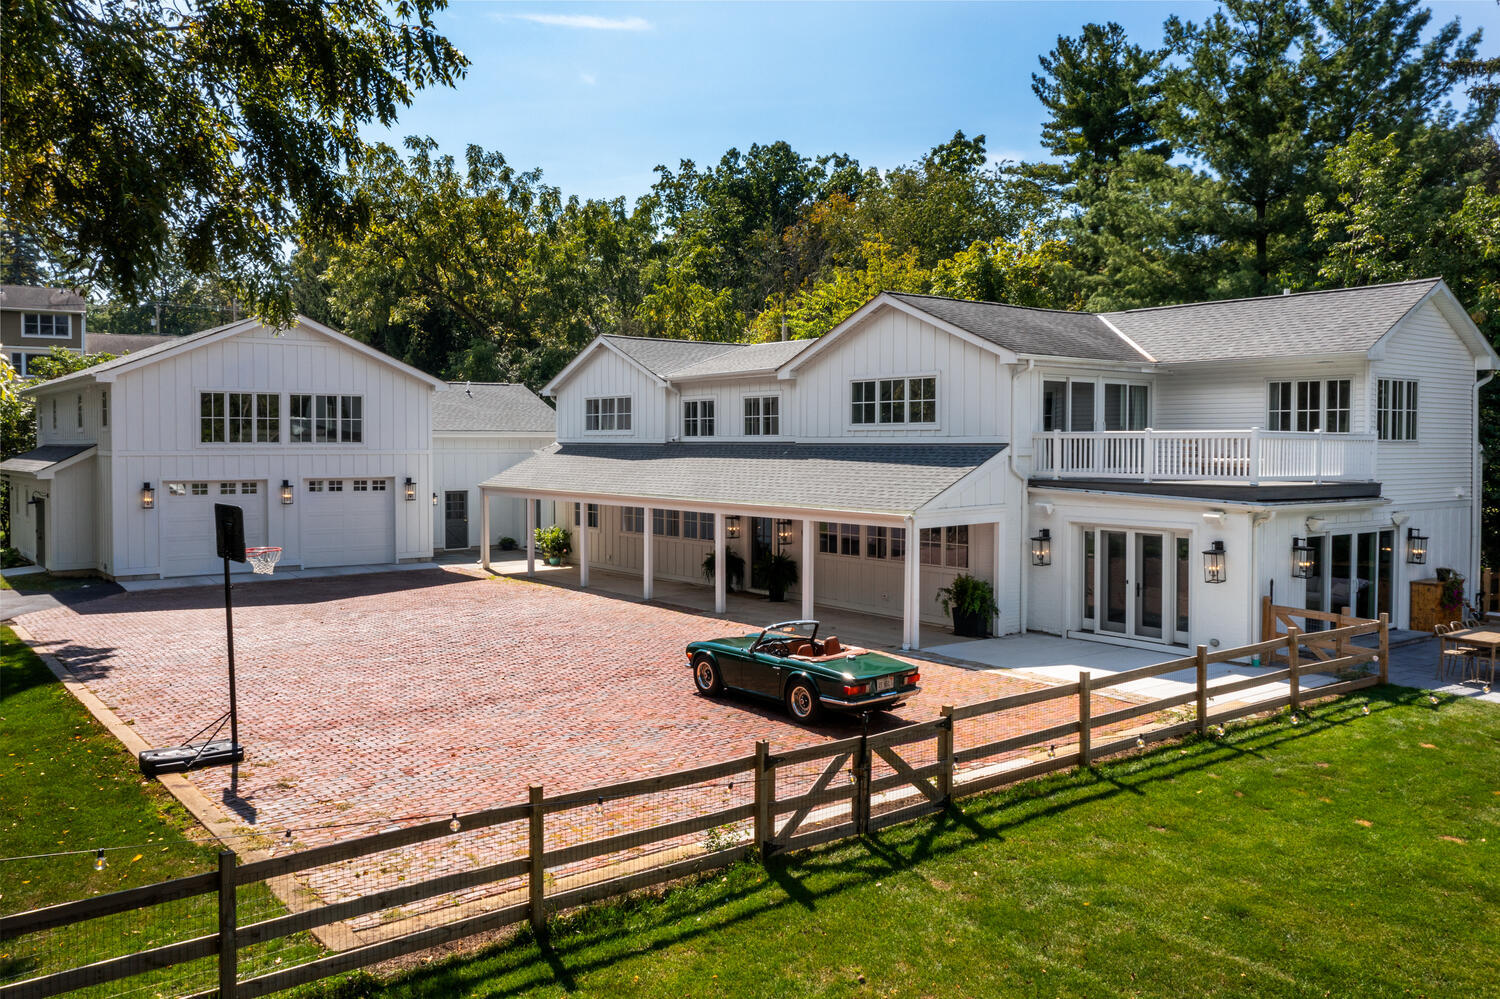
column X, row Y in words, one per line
column 706, row 676
column 802, row 701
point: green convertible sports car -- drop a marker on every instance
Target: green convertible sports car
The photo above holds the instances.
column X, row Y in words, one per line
column 789, row 662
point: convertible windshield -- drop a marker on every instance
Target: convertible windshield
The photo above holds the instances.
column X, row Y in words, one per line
column 786, row 631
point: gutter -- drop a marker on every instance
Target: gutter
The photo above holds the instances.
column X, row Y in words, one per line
column 1475, row 493
column 1023, row 563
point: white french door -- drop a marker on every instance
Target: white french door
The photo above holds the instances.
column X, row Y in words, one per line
column 1136, row 584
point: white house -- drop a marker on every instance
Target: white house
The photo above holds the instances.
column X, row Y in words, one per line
column 324, row 442
column 479, row 428
column 1139, row 477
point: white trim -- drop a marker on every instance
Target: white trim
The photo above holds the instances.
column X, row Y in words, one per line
column 1458, row 319
column 603, row 340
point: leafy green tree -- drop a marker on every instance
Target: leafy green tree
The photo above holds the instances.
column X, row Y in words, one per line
column 819, row 307
column 1029, row 271
column 222, row 124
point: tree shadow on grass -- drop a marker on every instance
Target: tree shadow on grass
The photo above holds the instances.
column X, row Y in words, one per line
column 587, row 941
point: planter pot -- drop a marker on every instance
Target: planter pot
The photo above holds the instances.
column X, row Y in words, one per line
column 776, row 595
column 970, row 625
column 554, row 560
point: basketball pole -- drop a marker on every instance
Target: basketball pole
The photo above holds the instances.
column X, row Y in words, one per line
column 234, row 715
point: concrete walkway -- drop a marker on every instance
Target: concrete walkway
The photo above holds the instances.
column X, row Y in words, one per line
column 1060, row 660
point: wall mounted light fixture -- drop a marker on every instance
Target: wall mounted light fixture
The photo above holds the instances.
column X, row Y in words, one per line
column 1041, row 548
column 1213, row 563
column 148, row 497
column 411, row 490
column 286, row 492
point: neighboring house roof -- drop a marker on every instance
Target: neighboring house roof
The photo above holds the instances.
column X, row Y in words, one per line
column 1027, row 331
column 26, row 296
column 41, row 459
column 122, row 343
column 493, row 407
column 887, row 479
column 177, row 343
column 1346, row 320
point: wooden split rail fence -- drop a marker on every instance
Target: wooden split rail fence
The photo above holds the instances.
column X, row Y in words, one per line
column 840, row 802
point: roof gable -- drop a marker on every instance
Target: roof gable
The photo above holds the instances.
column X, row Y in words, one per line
column 108, row 371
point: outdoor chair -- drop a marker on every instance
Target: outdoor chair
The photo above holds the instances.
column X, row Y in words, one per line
column 1461, row 657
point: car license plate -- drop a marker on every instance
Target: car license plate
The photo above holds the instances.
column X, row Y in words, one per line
column 885, row 683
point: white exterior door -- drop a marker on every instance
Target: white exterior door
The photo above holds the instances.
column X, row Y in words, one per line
column 187, row 523
column 348, row 521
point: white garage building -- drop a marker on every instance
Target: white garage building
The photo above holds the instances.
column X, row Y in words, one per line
column 324, row 442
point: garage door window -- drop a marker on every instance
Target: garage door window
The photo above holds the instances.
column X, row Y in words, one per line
column 314, row 485
column 228, row 488
column 335, row 485
column 176, row 488
column 377, row 485
column 249, row 488
column 361, row 485
column 200, row 488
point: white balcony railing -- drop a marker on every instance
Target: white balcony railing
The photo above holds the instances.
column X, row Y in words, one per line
column 1249, row 456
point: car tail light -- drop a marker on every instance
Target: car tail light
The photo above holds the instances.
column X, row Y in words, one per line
column 855, row 689
column 912, row 678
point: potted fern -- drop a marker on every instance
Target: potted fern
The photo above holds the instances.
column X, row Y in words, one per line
column 779, row 571
column 970, row 601
column 734, row 569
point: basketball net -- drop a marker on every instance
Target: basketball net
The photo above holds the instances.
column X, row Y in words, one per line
column 263, row 560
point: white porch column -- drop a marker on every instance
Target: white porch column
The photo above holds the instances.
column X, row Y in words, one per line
column 808, row 528
column 530, row 535
column 1000, row 568
column 648, row 556
column 484, row 529
column 916, row 593
column 721, row 571
column 909, row 601
column 583, row 544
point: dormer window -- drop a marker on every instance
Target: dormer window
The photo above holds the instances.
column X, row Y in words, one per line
column 608, row 414
column 698, row 418
column 892, row 401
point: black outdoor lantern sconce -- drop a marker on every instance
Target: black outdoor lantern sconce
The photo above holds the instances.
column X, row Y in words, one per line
column 434, row 499
column 411, row 490
column 784, row 532
column 1041, row 548
column 1302, row 560
column 1416, row 547
column 732, row 526
column 148, row 496
column 1213, row 563
column 286, row 492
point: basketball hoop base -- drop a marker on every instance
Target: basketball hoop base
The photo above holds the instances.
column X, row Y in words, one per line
column 176, row 759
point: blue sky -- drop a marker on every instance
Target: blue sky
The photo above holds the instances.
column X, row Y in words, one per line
column 598, row 94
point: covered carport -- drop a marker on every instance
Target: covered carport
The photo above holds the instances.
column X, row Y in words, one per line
column 900, row 488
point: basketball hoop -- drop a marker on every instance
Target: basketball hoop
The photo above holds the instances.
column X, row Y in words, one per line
column 263, row 560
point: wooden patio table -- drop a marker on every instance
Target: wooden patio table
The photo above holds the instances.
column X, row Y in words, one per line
column 1484, row 637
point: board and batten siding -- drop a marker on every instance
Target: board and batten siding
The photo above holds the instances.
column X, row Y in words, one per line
column 67, row 429
column 155, row 424
column 1438, row 467
column 973, row 385
column 729, row 398
column 608, row 374
column 461, row 461
column 1236, row 396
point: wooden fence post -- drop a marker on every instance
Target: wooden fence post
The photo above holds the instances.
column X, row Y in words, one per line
column 1085, row 718
column 536, row 883
column 1267, row 620
column 1202, row 665
column 861, row 804
column 765, row 797
column 228, row 947
column 1385, row 647
column 1346, row 618
column 945, row 755
column 1294, row 664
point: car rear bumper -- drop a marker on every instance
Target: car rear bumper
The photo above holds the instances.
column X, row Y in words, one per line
column 868, row 702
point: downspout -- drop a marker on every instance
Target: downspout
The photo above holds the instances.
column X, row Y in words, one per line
column 1475, row 494
column 1023, row 563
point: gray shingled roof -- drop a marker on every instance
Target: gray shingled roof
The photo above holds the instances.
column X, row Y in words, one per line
column 1043, row 332
column 25, row 296
column 494, row 407
column 661, row 356
column 1314, row 322
column 887, row 479
column 121, row 343
column 42, row 458
column 745, row 359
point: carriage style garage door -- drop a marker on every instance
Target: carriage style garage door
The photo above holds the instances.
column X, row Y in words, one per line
column 187, row 525
column 348, row 522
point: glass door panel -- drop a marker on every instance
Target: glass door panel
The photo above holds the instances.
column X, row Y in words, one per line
column 1317, row 583
column 1148, row 585
column 761, row 536
column 1364, row 587
column 1184, row 585
column 1341, row 573
column 1116, row 586
column 1089, row 576
column 1385, row 570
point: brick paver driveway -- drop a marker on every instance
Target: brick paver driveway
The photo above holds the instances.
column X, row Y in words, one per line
column 374, row 697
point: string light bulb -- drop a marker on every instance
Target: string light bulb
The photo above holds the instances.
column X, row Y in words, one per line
column 1139, row 742
column 1220, row 731
column 453, row 824
column 99, row 860
column 1364, row 710
column 1296, row 720
column 1051, row 751
column 1432, row 698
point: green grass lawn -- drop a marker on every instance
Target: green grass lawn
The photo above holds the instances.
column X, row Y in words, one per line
column 45, row 582
column 1348, row 856
column 67, row 785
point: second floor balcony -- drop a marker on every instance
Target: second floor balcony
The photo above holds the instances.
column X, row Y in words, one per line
column 1249, row 457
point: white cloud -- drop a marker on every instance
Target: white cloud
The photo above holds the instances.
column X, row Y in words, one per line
column 588, row 22
column 588, row 78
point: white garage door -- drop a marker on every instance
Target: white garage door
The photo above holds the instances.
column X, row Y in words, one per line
column 187, row 526
column 348, row 522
